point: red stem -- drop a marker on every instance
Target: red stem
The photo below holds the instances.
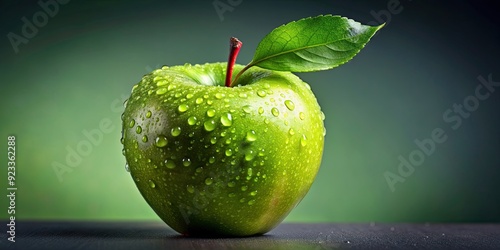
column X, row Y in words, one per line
column 234, row 49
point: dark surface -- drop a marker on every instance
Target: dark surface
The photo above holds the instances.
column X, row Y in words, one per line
column 156, row 235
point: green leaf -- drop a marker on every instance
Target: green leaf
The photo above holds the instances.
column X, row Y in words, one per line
column 312, row 44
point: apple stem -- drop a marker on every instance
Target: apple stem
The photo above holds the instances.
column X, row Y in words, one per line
column 234, row 49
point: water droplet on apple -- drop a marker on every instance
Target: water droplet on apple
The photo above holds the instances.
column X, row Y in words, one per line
column 231, row 195
column 247, row 109
column 126, row 101
column 209, row 181
column 189, row 96
column 249, row 155
column 226, row 120
column 219, row 95
column 171, row 86
column 183, row 108
column 213, row 140
column 199, row 100
column 192, row 120
column 243, row 95
column 131, row 124
column 175, row 131
column 324, row 131
column 209, row 125
column 244, row 188
column 211, row 159
column 303, row 140
column 261, row 93
column 152, row 184
column 138, row 129
column 251, row 202
column 161, row 83
column 145, row 138
column 231, row 184
column 211, row 112
column 275, row 112
column 127, row 167
column 253, row 193
column 148, row 114
column 161, row 91
column 210, row 102
column 290, row 105
column 242, row 200
column 229, row 152
column 291, row 131
column 170, row 164
column 190, row 188
column 302, row 116
column 186, row 162
column 261, row 110
column 249, row 172
column 284, row 172
column 251, row 136
column 161, row 141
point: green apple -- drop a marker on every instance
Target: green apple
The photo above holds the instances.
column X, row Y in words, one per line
column 216, row 160
column 217, row 155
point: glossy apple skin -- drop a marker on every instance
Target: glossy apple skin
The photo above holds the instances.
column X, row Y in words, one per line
column 213, row 160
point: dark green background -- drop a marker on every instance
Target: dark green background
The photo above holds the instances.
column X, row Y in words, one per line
column 78, row 68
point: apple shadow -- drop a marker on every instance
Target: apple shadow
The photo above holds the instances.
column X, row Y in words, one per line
column 133, row 235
